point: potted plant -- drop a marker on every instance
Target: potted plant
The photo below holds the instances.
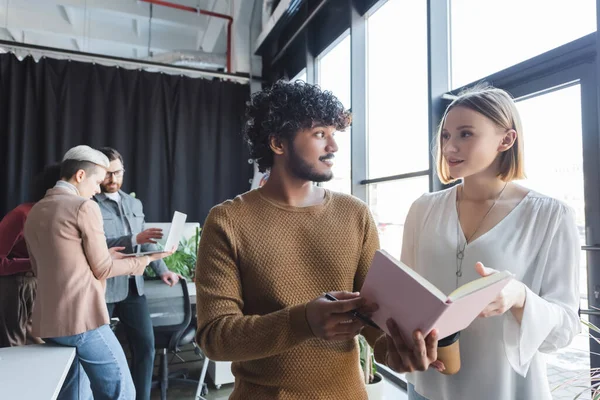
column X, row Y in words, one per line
column 586, row 382
column 373, row 380
column 183, row 261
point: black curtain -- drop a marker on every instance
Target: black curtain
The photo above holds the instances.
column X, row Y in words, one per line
column 180, row 137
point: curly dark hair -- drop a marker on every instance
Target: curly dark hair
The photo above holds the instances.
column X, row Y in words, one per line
column 285, row 109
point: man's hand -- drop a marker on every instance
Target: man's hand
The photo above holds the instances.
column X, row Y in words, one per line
column 409, row 357
column 149, row 235
column 170, row 278
column 114, row 253
column 331, row 320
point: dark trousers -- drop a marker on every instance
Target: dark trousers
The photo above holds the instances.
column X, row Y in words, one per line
column 135, row 318
column 17, row 294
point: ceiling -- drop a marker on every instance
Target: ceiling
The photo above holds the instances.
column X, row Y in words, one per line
column 122, row 28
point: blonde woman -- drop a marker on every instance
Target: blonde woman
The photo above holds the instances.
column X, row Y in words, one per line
column 485, row 224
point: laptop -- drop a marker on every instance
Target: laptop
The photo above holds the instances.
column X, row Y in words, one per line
column 175, row 234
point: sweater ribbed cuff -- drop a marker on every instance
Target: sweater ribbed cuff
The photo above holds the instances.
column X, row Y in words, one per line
column 299, row 324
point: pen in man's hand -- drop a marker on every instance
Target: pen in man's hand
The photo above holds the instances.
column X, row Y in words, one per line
column 355, row 313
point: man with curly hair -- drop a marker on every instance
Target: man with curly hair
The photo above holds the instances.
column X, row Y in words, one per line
column 267, row 257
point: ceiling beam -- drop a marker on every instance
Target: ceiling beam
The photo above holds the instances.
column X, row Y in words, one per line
column 210, row 5
column 137, row 27
column 64, row 13
column 137, row 9
column 215, row 26
column 70, row 16
column 5, row 35
column 21, row 20
column 17, row 34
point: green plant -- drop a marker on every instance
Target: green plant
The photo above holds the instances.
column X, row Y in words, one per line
column 586, row 381
column 367, row 360
column 183, row 261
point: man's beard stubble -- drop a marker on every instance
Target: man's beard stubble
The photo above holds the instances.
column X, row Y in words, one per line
column 301, row 169
column 106, row 189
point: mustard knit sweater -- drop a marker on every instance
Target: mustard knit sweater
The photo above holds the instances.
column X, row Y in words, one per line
column 259, row 263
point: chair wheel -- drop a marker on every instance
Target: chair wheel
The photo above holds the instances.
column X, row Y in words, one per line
column 218, row 387
column 204, row 390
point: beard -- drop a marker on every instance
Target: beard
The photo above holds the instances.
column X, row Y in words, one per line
column 303, row 170
column 111, row 187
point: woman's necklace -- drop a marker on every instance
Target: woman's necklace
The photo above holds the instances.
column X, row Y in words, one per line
column 460, row 249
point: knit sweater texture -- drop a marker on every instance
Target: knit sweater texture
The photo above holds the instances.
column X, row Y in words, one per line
column 259, row 263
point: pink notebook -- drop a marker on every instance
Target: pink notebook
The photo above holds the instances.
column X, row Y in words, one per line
column 415, row 303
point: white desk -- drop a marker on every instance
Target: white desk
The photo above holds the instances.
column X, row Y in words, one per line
column 192, row 290
column 34, row 372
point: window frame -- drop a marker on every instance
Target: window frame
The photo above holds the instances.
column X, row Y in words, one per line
column 575, row 60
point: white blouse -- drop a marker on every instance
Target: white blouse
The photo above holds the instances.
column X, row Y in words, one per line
column 539, row 243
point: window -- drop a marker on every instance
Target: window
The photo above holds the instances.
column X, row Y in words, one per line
column 546, row 141
column 389, row 202
column 333, row 74
column 397, row 115
column 398, row 111
column 393, row 125
column 489, row 36
column 300, row 77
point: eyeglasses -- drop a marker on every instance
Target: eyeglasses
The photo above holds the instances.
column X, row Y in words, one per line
column 116, row 174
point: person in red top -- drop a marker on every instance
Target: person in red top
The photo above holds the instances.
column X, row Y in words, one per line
column 17, row 282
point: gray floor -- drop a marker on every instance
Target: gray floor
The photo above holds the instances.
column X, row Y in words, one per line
column 185, row 392
column 392, row 392
column 567, row 373
column 569, row 370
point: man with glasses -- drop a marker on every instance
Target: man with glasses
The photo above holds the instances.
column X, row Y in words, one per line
column 124, row 227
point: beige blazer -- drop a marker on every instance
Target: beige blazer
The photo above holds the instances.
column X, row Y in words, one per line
column 65, row 239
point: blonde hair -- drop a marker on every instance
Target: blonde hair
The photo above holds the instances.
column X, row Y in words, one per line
column 498, row 106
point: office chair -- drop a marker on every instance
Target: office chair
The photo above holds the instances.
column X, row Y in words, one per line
column 171, row 315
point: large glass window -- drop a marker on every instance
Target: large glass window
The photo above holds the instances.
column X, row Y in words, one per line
column 482, row 37
column 333, row 74
column 390, row 202
column 491, row 35
column 554, row 167
column 397, row 114
column 398, row 127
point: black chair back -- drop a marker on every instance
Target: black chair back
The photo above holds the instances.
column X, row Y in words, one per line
column 170, row 311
